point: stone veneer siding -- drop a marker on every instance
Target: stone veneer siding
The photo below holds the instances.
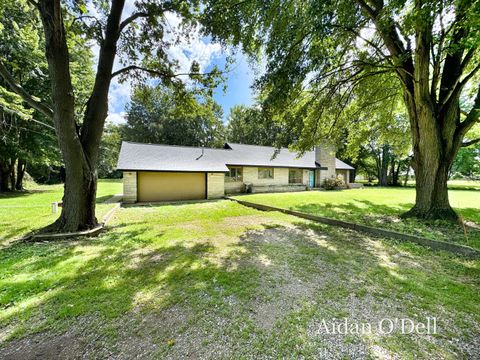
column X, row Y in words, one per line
column 129, row 186
column 215, row 185
column 325, row 156
column 250, row 175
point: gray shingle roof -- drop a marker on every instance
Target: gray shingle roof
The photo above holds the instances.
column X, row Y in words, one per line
column 255, row 155
column 340, row 165
column 136, row 156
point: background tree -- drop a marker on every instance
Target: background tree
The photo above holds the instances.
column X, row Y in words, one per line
column 330, row 47
column 27, row 137
column 467, row 162
column 251, row 125
column 377, row 127
column 109, row 150
column 139, row 38
column 175, row 116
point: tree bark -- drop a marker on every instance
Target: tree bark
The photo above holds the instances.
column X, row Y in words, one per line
column 382, row 166
column 12, row 173
column 4, row 175
column 405, row 182
column 79, row 149
column 433, row 109
column 21, row 167
column 432, row 160
column 395, row 170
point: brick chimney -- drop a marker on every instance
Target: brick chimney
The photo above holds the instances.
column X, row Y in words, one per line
column 325, row 156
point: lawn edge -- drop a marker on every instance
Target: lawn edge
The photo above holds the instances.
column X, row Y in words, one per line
column 456, row 249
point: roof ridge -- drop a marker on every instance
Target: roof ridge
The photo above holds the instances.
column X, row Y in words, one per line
column 266, row 146
column 271, row 147
column 182, row 146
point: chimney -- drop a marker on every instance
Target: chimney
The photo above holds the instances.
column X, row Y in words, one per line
column 325, row 157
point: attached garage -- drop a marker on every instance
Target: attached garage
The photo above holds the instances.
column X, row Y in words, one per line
column 171, row 186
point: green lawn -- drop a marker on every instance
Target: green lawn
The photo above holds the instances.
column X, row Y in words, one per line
column 381, row 207
column 22, row 212
column 219, row 280
column 452, row 184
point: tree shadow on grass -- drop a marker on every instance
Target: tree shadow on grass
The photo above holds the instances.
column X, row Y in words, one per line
column 368, row 213
column 50, row 287
column 21, row 193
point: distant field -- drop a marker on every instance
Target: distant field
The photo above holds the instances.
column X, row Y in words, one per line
column 24, row 211
column 452, row 184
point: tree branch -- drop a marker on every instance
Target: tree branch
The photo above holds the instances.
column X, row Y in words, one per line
column 454, row 91
column 16, row 88
column 131, row 19
column 161, row 74
column 471, row 142
column 472, row 117
column 388, row 32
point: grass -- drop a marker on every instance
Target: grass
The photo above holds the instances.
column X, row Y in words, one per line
column 381, row 207
column 219, row 280
column 22, row 212
column 452, row 184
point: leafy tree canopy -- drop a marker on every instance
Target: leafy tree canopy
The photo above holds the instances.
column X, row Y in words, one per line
column 251, row 125
column 175, row 116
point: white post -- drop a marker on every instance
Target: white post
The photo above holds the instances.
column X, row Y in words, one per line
column 54, row 207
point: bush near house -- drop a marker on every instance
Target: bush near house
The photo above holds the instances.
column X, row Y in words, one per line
column 333, row 184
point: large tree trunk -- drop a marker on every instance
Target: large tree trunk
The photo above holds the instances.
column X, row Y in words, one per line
column 432, row 160
column 4, row 175
column 382, row 166
column 78, row 210
column 21, row 167
column 12, row 173
column 395, row 171
column 79, row 147
column 405, row 182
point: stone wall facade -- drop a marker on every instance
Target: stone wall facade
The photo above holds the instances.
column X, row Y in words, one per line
column 129, row 186
column 325, row 156
column 215, row 185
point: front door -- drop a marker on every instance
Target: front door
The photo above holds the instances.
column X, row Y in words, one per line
column 311, row 181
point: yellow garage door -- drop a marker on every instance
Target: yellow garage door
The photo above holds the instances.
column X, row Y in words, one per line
column 171, row 186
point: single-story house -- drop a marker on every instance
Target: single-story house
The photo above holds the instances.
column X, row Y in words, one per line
column 154, row 172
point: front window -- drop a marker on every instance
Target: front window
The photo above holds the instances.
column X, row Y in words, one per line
column 295, row 176
column 234, row 174
column 265, row 173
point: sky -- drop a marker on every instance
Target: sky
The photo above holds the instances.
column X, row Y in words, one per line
column 238, row 79
column 238, row 87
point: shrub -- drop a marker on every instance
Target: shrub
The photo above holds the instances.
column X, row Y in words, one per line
column 333, row 184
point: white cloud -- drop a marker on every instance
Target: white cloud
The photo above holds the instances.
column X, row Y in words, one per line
column 116, row 118
column 188, row 49
column 191, row 48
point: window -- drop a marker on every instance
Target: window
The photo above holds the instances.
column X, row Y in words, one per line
column 265, row 173
column 295, row 176
column 234, row 174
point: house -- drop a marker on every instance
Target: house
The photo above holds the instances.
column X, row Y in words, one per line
column 168, row 173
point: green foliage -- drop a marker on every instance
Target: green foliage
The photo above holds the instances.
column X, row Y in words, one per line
column 467, row 163
column 109, row 150
column 24, row 133
column 175, row 116
column 323, row 55
column 250, row 125
column 333, row 184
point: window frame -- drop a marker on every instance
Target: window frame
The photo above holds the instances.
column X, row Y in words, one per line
column 262, row 170
column 298, row 172
column 237, row 177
